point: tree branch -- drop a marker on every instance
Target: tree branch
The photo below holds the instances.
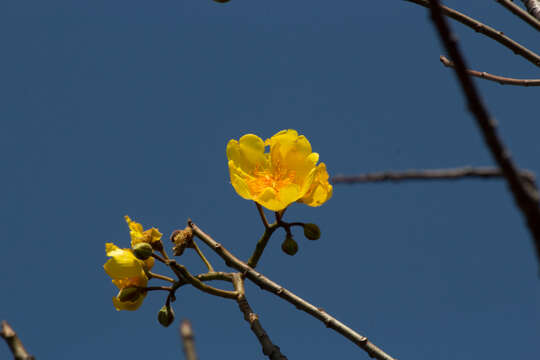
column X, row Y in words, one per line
column 518, row 11
column 269, row 349
column 184, row 274
column 533, row 7
column 501, row 80
column 268, row 285
column 486, row 30
column 14, row 343
column 186, row 333
column 433, row 174
column 525, row 195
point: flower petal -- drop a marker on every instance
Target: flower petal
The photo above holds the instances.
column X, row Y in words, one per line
column 248, row 153
column 122, row 264
column 321, row 190
column 239, row 181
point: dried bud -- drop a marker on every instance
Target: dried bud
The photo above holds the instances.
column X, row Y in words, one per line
column 182, row 239
column 142, row 250
column 166, row 316
column 289, row 246
column 131, row 293
column 312, row 231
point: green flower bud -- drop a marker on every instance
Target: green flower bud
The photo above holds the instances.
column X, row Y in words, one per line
column 131, row 293
column 289, row 246
column 166, row 315
column 142, row 250
column 312, row 231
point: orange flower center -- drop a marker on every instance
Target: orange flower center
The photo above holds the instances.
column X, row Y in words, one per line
column 275, row 178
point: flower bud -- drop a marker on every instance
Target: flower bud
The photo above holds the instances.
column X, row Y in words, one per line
column 166, row 316
column 289, row 246
column 312, row 231
column 142, row 250
column 131, row 293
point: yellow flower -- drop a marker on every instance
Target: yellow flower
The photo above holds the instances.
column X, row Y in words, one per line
column 126, row 271
column 138, row 235
column 285, row 174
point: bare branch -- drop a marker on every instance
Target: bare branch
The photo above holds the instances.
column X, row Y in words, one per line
column 525, row 195
column 14, row 343
column 269, row 349
column 525, row 16
column 268, row 285
column 486, row 30
column 188, row 342
column 433, row 174
column 184, row 274
column 533, row 7
column 501, row 80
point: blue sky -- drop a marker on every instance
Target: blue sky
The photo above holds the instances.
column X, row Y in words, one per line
column 125, row 107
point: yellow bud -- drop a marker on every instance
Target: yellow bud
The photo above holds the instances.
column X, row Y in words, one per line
column 131, row 293
column 289, row 246
column 166, row 315
column 312, row 231
column 142, row 250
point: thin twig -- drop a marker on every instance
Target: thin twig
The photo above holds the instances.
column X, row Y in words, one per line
column 14, row 343
column 188, row 341
column 522, row 14
column 159, row 276
column 486, row 30
column 268, row 285
column 203, row 258
column 268, row 347
column 500, row 79
column 263, row 217
column 533, row 7
column 429, row 174
column 183, row 273
column 261, row 245
column 525, row 195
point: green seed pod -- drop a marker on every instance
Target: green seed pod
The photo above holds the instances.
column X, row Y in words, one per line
column 142, row 250
column 312, row 231
column 129, row 294
column 166, row 315
column 289, row 246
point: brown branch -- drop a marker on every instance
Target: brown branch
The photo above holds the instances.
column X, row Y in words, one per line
column 268, row 285
column 188, row 342
column 184, row 275
column 501, row 80
column 533, row 7
column 269, row 349
column 14, row 343
column 525, row 195
column 522, row 14
column 431, row 174
column 486, row 30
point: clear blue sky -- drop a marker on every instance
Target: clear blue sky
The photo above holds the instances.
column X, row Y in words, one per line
column 125, row 107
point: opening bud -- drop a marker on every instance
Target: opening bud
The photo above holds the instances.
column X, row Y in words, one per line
column 312, row 231
column 166, row 315
column 289, row 246
column 142, row 250
column 131, row 293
